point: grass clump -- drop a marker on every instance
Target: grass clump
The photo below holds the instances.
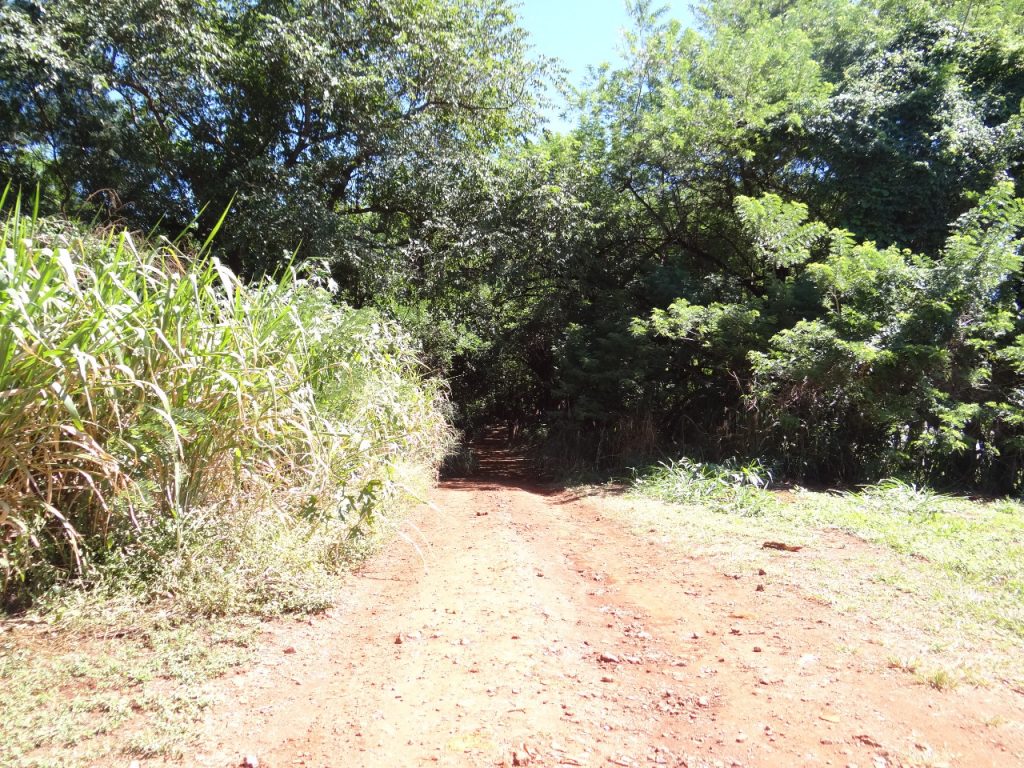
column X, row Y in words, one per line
column 167, row 429
column 729, row 487
column 909, row 498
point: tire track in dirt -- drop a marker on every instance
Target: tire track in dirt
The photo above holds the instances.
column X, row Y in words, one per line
column 530, row 628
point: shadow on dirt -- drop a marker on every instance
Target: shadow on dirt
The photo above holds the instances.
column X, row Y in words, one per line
column 497, row 463
column 500, row 464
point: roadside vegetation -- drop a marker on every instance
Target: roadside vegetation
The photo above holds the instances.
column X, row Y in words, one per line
column 948, row 567
column 178, row 446
column 791, row 231
column 105, row 686
column 166, row 426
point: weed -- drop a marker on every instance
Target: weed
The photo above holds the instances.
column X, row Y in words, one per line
column 940, row 679
column 176, row 445
column 906, row 498
column 904, row 664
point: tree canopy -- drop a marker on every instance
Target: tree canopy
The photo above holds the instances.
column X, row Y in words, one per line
column 332, row 126
column 791, row 233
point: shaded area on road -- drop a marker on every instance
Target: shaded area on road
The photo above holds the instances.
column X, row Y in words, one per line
column 499, row 460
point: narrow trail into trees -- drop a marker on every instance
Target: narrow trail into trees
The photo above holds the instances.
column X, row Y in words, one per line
column 517, row 625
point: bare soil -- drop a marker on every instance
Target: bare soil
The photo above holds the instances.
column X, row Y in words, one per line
column 516, row 625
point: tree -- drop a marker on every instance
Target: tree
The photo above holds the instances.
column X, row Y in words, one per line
column 912, row 366
column 721, row 175
column 334, row 126
column 916, row 128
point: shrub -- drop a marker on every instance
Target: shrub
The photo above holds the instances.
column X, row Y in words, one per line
column 905, row 498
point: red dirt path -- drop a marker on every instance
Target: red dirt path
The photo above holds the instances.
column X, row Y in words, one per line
column 536, row 630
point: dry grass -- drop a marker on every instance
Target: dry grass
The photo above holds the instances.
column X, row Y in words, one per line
column 92, row 680
column 160, row 417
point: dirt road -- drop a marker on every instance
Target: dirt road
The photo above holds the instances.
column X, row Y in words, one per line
column 531, row 628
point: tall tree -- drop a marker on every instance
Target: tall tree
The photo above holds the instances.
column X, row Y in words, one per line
column 335, row 124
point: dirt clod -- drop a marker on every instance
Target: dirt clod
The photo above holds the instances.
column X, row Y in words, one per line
column 866, row 740
column 781, row 545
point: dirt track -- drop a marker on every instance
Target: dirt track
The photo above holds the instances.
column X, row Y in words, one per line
column 530, row 628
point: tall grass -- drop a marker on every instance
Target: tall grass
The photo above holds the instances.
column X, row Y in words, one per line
column 158, row 416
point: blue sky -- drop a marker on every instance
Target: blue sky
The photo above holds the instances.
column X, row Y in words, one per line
column 583, row 32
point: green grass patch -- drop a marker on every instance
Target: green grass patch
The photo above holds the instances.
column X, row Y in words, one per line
column 977, row 548
column 947, row 569
column 731, row 487
column 76, row 695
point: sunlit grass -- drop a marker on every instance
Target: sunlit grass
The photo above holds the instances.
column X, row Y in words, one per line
column 163, row 423
column 977, row 547
column 736, row 487
column 944, row 569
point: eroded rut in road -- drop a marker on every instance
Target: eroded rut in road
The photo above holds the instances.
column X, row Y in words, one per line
column 528, row 627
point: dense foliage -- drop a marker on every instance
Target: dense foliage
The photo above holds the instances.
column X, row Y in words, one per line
column 161, row 419
column 790, row 234
column 347, row 128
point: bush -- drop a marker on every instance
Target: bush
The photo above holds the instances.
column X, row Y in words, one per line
column 905, row 498
column 165, row 423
